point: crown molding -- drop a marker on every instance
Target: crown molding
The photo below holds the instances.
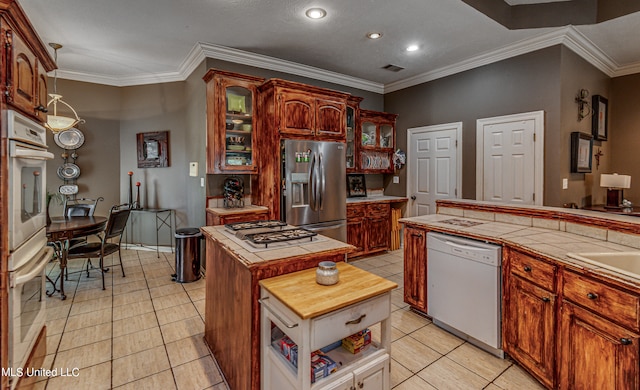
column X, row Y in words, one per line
column 279, row 65
column 568, row 36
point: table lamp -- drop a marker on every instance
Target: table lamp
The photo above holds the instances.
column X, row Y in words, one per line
column 615, row 184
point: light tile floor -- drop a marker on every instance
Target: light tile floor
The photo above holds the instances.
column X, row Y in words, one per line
column 146, row 332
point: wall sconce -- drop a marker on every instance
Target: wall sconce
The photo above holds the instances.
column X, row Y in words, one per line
column 584, row 108
column 615, row 184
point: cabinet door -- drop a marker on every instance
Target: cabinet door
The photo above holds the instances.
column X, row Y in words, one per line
column 374, row 375
column 595, row 353
column 297, row 113
column 415, row 268
column 356, row 235
column 529, row 328
column 41, row 96
column 378, row 233
column 330, row 119
column 21, row 74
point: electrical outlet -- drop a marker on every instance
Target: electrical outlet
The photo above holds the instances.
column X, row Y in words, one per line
column 565, row 183
column 396, row 179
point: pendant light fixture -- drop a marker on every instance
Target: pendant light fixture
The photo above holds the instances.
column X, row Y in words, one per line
column 57, row 123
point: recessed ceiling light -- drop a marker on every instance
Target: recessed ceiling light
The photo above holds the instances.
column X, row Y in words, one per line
column 413, row 47
column 316, row 13
column 374, row 35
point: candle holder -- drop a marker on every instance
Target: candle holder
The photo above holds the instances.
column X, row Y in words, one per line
column 137, row 205
column 130, row 187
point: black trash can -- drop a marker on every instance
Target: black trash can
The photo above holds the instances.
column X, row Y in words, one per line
column 188, row 255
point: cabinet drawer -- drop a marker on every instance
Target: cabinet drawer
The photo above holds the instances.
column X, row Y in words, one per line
column 355, row 211
column 378, row 209
column 342, row 323
column 618, row 306
column 536, row 271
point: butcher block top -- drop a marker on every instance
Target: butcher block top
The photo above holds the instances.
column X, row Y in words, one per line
column 308, row 299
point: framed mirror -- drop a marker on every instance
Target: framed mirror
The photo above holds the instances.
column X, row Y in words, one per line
column 153, row 149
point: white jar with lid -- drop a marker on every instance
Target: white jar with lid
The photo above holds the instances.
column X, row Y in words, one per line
column 327, row 273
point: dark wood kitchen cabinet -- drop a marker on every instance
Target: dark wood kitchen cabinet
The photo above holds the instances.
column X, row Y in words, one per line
column 306, row 112
column 353, row 134
column 415, row 267
column 599, row 340
column 231, row 122
column 377, row 141
column 25, row 64
column 530, row 314
column 368, row 227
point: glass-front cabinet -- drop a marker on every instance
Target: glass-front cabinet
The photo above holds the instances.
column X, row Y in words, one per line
column 353, row 120
column 231, row 122
column 377, row 141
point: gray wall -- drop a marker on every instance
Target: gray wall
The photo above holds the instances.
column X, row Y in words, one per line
column 624, row 131
column 546, row 79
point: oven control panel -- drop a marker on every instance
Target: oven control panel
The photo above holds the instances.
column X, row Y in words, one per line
column 26, row 130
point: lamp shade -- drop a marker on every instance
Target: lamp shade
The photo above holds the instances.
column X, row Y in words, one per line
column 615, row 181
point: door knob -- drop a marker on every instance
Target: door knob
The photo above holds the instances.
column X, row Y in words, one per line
column 413, row 197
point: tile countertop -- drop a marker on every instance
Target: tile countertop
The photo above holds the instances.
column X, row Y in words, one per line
column 377, row 199
column 551, row 243
column 250, row 258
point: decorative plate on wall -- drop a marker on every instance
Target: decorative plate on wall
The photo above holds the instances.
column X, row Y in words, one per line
column 68, row 171
column 68, row 189
column 69, row 139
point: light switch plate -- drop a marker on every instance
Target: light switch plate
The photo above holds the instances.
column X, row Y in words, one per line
column 396, row 179
column 193, row 169
column 565, row 183
column 202, row 182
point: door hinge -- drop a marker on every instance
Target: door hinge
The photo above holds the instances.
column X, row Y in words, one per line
column 456, row 143
column 534, row 137
column 455, row 191
column 534, row 196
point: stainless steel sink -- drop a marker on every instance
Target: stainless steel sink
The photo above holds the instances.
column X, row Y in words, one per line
column 627, row 263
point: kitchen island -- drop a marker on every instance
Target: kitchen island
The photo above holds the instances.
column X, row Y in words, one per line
column 232, row 312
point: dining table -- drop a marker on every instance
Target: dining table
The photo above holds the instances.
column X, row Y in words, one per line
column 61, row 231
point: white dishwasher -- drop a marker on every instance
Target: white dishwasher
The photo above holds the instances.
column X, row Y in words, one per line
column 464, row 289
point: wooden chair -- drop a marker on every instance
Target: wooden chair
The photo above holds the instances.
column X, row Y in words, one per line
column 109, row 243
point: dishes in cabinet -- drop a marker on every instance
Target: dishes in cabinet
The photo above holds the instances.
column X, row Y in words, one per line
column 235, row 147
column 236, row 160
column 236, row 103
column 235, row 140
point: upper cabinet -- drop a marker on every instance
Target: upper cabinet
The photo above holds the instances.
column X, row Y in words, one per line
column 304, row 111
column 27, row 61
column 231, row 122
column 377, row 141
column 353, row 133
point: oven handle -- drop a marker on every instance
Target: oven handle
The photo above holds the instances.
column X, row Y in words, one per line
column 45, row 256
column 33, row 154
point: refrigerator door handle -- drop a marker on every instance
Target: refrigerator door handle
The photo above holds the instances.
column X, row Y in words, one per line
column 312, row 183
column 322, row 181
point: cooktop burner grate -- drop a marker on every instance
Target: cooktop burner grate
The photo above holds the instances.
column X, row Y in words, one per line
column 255, row 225
column 266, row 238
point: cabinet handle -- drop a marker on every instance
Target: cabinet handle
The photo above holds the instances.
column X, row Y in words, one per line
column 624, row 341
column 592, row 296
column 356, row 321
column 263, row 303
column 413, row 197
column 527, row 268
column 419, row 235
column 41, row 108
column 546, row 299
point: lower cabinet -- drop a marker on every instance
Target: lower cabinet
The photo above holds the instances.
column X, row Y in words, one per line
column 415, row 267
column 372, row 375
column 529, row 320
column 214, row 219
column 368, row 227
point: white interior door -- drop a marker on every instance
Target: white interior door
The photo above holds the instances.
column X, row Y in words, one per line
column 509, row 156
column 434, row 166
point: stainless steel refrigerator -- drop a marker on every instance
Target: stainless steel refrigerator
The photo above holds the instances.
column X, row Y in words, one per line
column 314, row 194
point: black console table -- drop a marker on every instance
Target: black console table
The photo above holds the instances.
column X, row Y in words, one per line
column 163, row 218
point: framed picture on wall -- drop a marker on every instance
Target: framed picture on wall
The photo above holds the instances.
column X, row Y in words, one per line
column 356, row 186
column 581, row 151
column 153, row 149
column 599, row 126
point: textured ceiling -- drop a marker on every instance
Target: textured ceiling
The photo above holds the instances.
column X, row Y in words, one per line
column 124, row 42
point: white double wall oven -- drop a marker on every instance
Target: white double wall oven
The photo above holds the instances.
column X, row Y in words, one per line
column 29, row 253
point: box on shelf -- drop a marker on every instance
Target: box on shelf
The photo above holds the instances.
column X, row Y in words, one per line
column 321, row 366
column 357, row 342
